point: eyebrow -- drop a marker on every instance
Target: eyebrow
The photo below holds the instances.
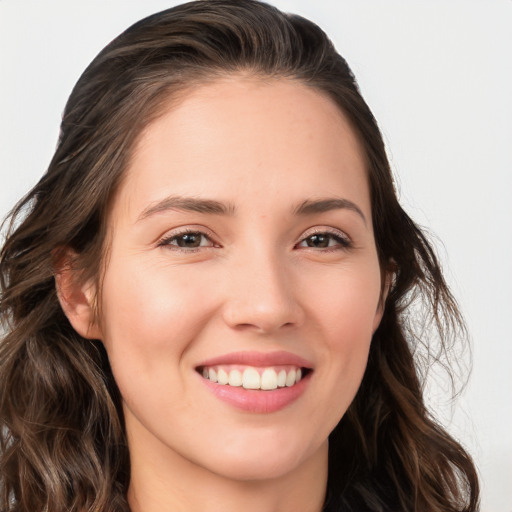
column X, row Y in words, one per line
column 310, row 207
column 213, row 207
column 189, row 204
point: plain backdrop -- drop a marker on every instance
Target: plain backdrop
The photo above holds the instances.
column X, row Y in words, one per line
column 438, row 76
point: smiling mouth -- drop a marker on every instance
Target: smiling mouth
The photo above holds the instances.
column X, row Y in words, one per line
column 255, row 378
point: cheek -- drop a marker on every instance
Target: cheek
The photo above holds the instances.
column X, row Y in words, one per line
column 150, row 318
column 148, row 296
column 345, row 309
column 346, row 303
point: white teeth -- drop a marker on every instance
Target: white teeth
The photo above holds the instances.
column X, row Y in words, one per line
column 251, row 378
column 281, row 379
column 235, row 378
column 222, row 377
column 290, row 378
column 269, row 379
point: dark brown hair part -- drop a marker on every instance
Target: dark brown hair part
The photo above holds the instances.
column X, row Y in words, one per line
column 62, row 441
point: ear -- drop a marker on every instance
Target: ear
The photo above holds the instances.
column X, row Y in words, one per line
column 77, row 298
column 387, row 280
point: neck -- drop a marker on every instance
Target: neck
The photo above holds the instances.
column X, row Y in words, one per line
column 162, row 481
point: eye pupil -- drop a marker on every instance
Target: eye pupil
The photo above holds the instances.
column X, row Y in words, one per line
column 318, row 241
column 189, row 240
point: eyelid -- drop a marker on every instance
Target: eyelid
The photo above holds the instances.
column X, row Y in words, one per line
column 317, row 230
column 164, row 240
column 345, row 242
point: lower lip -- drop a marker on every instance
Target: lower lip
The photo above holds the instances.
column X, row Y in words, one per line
column 258, row 401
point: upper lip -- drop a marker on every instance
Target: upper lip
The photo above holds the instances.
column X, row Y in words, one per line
column 260, row 359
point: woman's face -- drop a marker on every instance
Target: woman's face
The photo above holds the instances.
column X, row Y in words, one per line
column 242, row 251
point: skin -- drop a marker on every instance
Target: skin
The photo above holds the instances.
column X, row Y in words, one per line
column 261, row 148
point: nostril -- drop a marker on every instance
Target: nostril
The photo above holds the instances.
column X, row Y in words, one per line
column 264, row 309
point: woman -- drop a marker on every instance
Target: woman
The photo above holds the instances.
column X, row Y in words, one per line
column 207, row 296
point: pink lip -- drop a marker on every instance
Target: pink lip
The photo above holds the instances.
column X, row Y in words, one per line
column 258, row 401
column 259, row 359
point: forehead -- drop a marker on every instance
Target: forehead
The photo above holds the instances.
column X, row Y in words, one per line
column 248, row 135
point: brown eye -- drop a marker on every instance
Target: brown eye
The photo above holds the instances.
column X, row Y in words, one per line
column 318, row 241
column 187, row 240
column 330, row 241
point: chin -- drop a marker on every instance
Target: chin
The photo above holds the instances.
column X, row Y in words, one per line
column 264, row 460
column 249, row 470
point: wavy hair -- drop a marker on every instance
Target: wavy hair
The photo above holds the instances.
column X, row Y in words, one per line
column 62, row 439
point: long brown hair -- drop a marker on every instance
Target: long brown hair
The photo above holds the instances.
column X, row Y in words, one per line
column 62, row 441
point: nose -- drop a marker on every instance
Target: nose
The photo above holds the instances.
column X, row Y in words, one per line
column 262, row 294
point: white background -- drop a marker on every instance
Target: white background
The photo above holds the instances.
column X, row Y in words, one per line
column 438, row 76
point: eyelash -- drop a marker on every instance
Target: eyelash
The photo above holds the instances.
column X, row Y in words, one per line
column 342, row 241
column 168, row 241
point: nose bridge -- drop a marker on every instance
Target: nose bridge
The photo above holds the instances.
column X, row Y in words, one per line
column 261, row 291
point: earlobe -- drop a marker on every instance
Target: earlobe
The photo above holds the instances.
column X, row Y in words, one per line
column 77, row 298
